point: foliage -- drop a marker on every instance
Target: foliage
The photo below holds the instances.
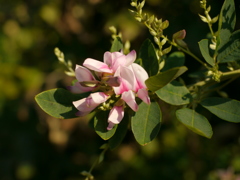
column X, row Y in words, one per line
column 193, row 102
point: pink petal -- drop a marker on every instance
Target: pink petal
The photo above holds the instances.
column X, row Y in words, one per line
column 129, row 98
column 86, row 105
column 126, row 77
column 143, row 95
column 96, row 65
column 140, row 75
column 78, row 88
column 110, row 126
column 130, row 58
column 116, row 55
column 99, row 97
column 82, row 107
column 117, row 62
column 83, row 74
column 115, row 116
column 107, row 58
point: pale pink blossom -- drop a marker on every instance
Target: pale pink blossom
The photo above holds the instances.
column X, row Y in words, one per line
column 125, row 79
column 115, row 116
column 140, row 87
column 86, row 105
column 132, row 82
column 82, row 74
column 111, row 62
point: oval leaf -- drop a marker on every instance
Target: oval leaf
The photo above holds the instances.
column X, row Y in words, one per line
column 224, row 108
column 101, row 124
column 230, row 51
column 116, row 45
column 174, row 93
column 175, row 59
column 149, row 58
column 226, row 23
column 158, row 81
column 58, row 103
column 195, row 122
column 146, row 122
column 204, row 48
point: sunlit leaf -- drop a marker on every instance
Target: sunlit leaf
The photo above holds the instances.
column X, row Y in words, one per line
column 116, row 45
column 149, row 59
column 195, row 122
column 120, row 132
column 174, row 93
column 58, row 103
column 227, row 21
column 158, row 81
column 224, row 108
column 231, row 50
column 175, row 59
column 204, row 48
column 146, row 122
column 101, row 124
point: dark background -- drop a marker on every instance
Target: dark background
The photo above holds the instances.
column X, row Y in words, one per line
column 34, row 146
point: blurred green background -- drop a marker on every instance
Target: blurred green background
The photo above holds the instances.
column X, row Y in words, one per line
column 34, row 146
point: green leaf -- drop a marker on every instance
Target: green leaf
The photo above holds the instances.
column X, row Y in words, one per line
column 227, row 21
column 116, row 45
column 158, row 81
column 195, row 122
column 120, row 132
column 204, row 48
column 174, row 93
column 230, row 51
column 149, row 58
column 146, row 122
column 58, row 103
column 224, row 108
column 101, row 124
column 175, row 59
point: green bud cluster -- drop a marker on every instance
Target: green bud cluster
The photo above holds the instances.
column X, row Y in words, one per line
column 155, row 26
column 115, row 34
column 112, row 101
column 68, row 63
column 207, row 19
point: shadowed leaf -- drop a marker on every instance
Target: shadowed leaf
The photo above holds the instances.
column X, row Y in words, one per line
column 146, row 122
column 195, row 122
column 224, row 108
column 158, row 81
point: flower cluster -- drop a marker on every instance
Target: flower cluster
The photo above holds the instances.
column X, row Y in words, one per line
column 113, row 83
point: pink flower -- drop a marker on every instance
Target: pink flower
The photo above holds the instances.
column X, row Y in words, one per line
column 132, row 80
column 115, row 116
column 111, row 62
column 82, row 74
column 126, row 86
column 140, row 87
column 86, row 105
column 116, row 75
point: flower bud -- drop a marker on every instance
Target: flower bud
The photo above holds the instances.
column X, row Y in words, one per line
column 215, row 19
column 153, row 33
column 89, row 83
column 179, row 35
column 165, row 24
column 112, row 81
column 156, row 40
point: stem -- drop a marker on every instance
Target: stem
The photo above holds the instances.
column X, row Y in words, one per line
column 223, row 85
column 226, row 75
column 97, row 160
column 186, row 51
